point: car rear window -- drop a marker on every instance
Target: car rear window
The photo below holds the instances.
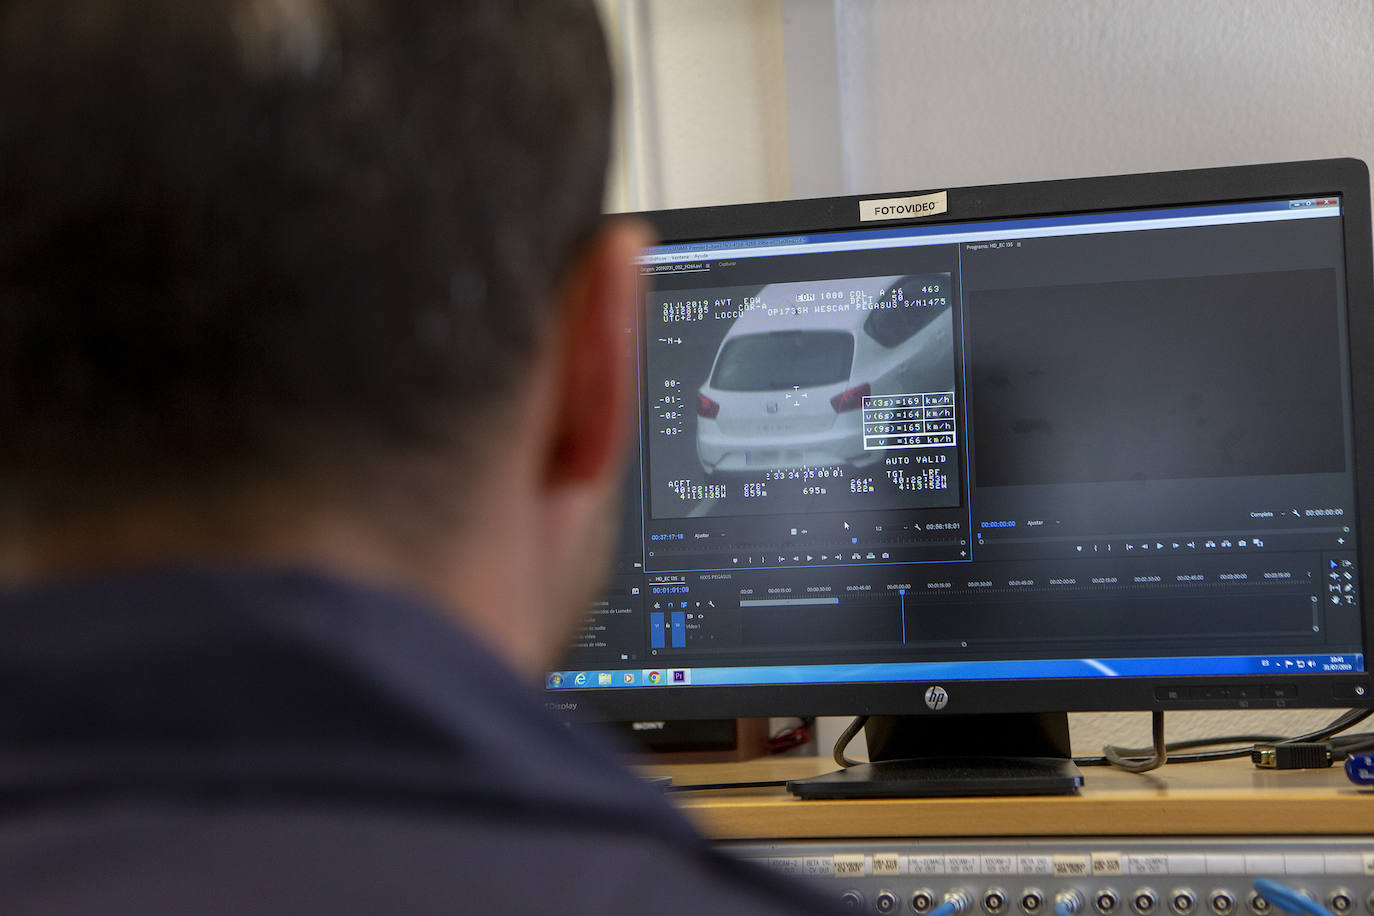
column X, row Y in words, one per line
column 784, row 359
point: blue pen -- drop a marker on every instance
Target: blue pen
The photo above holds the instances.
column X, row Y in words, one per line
column 1360, row 769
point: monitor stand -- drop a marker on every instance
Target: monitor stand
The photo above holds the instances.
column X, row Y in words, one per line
column 944, row 756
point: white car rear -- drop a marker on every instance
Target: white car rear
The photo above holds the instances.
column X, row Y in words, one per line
column 787, row 390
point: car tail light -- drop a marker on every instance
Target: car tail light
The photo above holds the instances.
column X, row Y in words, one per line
column 852, row 399
column 706, row 407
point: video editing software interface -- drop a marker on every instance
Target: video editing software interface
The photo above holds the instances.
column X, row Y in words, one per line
column 1116, row 443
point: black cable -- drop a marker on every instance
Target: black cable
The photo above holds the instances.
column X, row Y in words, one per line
column 1116, row 756
column 1173, row 746
column 1170, row 749
column 842, row 742
column 1340, row 723
column 1231, row 754
column 712, row 786
column 1219, row 739
column 1158, row 753
column 1132, row 759
column 1348, row 743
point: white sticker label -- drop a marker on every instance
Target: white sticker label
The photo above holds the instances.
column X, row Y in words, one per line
column 1225, row 864
column 963, row 865
column 849, row 865
column 1263, row 865
column 1295, row 864
column 1183, row 864
column 1106, row 863
column 1338, row 864
column 1147, row 865
column 1066, row 866
column 903, row 207
column 886, row 863
column 788, row 865
column 927, row 865
column 999, row 865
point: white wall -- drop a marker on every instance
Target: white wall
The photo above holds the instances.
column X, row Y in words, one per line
column 704, row 105
column 940, row 93
column 935, row 93
column 726, row 103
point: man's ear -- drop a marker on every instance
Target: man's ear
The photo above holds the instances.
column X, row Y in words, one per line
column 596, row 354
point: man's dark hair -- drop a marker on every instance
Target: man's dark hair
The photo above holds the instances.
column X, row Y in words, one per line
column 243, row 237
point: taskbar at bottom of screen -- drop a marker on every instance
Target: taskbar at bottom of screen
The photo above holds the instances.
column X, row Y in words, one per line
column 1020, row 669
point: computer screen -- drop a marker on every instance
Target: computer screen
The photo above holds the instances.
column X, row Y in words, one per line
column 1076, row 445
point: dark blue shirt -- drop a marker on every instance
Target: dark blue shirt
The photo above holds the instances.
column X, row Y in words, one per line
column 230, row 741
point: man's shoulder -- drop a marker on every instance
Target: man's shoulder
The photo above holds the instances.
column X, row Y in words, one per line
column 290, row 744
column 248, row 681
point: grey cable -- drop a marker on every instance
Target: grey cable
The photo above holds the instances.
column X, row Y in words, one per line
column 1117, row 759
column 847, row 736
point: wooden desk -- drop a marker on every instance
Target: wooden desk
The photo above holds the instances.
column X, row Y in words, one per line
column 1227, row 798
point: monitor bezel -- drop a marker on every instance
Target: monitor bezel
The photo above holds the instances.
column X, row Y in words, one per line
column 1348, row 178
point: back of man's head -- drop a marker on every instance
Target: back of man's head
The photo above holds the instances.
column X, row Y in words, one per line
column 279, row 239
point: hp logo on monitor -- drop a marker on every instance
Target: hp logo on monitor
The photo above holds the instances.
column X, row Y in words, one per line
column 936, row 698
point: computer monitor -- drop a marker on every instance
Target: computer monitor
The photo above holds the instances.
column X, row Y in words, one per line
column 1100, row 444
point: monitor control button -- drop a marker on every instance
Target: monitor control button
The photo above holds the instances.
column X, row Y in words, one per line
column 1173, row 692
